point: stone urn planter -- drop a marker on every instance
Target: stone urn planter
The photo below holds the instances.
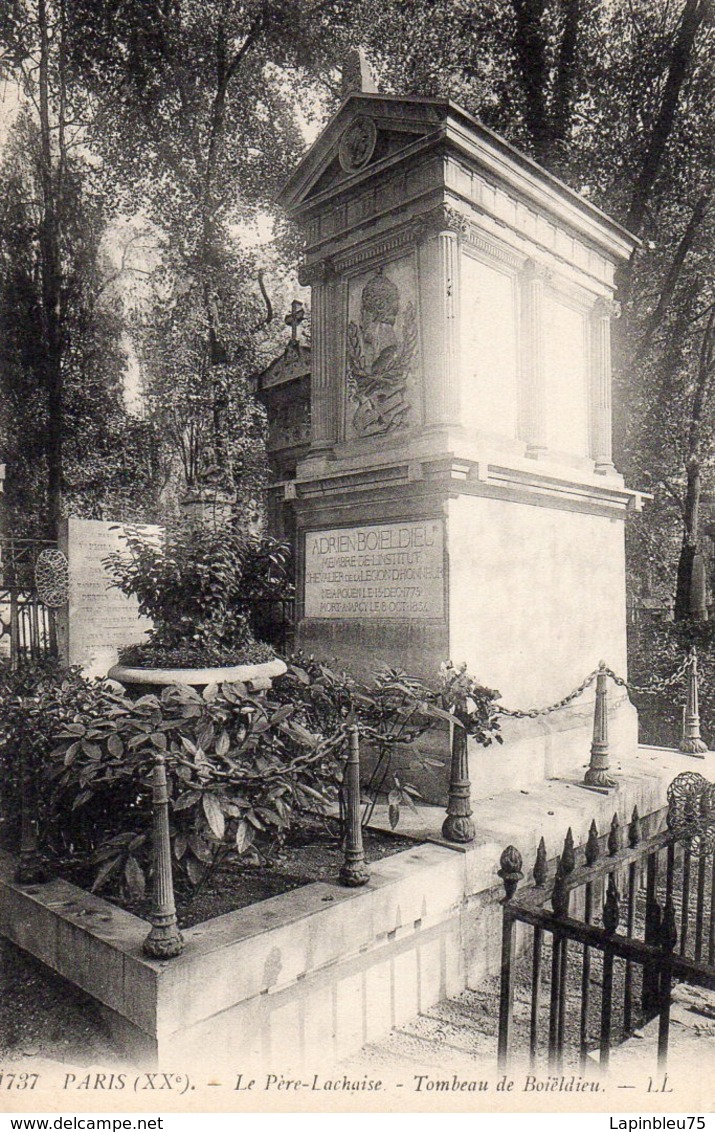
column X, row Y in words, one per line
column 257, row 676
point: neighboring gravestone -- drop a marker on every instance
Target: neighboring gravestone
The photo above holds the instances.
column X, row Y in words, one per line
column 461, row 394
column 283, row 388
column 98, row 619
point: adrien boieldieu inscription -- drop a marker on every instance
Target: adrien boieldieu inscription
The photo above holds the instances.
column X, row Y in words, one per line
column 382, row 570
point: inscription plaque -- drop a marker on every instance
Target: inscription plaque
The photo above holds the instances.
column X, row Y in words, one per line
column 98, row 618
column 377, row 571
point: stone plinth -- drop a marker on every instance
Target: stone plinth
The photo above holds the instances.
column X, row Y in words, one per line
column 461, row 394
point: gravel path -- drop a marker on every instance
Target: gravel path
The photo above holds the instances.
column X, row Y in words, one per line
column 42, row 1016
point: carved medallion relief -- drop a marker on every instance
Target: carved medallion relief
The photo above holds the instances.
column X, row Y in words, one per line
column 382, row 340
column 357, row 144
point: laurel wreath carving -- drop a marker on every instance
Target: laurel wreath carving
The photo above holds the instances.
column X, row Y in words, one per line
column 381, row 390
column 52, row 577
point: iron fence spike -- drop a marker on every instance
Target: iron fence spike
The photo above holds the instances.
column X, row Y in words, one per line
column 593, row 850
column 560, row 893
column 612, row 906
column 634, row 829
column 540, row 869
column 568, row 858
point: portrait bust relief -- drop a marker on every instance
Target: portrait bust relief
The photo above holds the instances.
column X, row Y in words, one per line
column 357, row 144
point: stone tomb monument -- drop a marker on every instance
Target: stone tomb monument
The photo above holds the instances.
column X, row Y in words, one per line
column 458, row 498
column 98, row 619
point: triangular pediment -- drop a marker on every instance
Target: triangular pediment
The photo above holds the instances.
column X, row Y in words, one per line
column 369, row 132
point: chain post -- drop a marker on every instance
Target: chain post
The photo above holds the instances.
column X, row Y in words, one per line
column 458, row 825
column 354, row 871
column 691, row 742
column 597, row 777
column 164, row 940
column 31, row 868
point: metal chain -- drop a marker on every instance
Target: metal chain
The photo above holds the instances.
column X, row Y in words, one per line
column 532, row 713
column 652, row 690
column 657, row 686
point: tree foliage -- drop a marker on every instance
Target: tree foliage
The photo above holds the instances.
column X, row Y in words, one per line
column 198, row 122
column 66, row 436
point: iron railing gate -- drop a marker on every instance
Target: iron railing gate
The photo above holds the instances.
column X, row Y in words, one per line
column 27, row 625
column 645, row 913
column 272, row 620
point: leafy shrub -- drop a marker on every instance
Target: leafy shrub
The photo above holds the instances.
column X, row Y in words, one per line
column 190, row 583
column 394, row 709
column 268, row 570
column 36, row 703
column 243, row 768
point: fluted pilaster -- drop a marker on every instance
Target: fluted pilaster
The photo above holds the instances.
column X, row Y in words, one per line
column 532, row 393
column 601, row 411
column 438, row 235
column 324, row 394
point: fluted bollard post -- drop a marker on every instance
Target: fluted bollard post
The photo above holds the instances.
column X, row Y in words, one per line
column 31, row 868
column 691, row 742
column 597, row 776
column 354, row 871
column 164, row 940
column 458, row 825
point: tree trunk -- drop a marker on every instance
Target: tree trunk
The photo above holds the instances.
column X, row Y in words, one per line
column 49, row 242
column 566, row 80
column 533, row 71
column 690, row 596
column 683, row 47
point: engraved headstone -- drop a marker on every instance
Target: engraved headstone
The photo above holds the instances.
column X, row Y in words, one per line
column 378, row 571
column 98, row 619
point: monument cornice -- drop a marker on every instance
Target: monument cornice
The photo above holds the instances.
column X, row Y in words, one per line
column 452, row 475
column 491, row 248
column 444, row 127
column 418, row 229
column 464, row 221
column 372, row 247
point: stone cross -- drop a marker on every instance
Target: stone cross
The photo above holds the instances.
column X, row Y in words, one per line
column 294, row 319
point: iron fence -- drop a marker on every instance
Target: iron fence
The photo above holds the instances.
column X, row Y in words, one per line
column 272, row 620
column 625, row 923
column 27, row 628
column 18, row 557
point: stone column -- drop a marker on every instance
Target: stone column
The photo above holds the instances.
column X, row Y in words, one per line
column 438, row 236
column 532, row 393
column 601, row 424
column 324, row 400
